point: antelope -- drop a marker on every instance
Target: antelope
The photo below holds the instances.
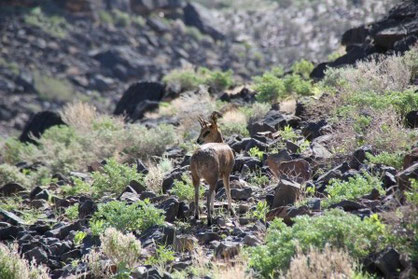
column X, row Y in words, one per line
column 212, row 160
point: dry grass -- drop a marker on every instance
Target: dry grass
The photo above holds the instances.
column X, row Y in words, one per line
column 12, row 266
column 155, row 176
column 329, row 263
column 79, row 115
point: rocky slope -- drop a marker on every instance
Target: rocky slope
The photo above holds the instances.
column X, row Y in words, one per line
column 57, row 51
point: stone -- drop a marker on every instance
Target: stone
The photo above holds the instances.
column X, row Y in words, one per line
column 251, row 240
column 38, row 124
column 184, row 243
column 10, row 232
column 241, row 194
column 200, row 17
column 38, row 254
column 11, row 188
column 34, row 192
column 348, row 205
column 207, row 237
column 159, row 234
column 359, row 156
column 227, row 250
column 410, row 158
column 273, row 160
column 286, row 193
column 412, row 119
column 11, row 218
column 298, row 170
column 62, row 231
column 251, row 162
column 145, row 7
column 42, row 195
column 131, row 101
column 312, row 129
column 287, row 213
column 388, row 180
column 171, row 209
column 86, row 208
column 388, row 262
column 403, row 177
column 168, row 180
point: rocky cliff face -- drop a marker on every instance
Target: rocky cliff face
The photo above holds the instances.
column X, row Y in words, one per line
column 53, row 52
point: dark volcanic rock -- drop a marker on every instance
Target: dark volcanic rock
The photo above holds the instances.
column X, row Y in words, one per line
column 11, row 188
column 198, row 16
column 134, row 102
column 241, row 194
column 39, row 123
column 160, row 234
column 171, row 208
column 286, row 193
column 38, row 254
column 145, row 7
column 286, row 213
column 11, row 218
column 227, row 250
column 404, row 176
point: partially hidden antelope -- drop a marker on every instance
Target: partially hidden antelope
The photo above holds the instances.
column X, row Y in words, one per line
column 214, row 159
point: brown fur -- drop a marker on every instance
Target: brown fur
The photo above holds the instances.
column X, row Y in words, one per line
column 212, row 160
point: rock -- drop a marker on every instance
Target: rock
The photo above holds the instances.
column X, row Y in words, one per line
column 198, row 16
column 207, row 237
column 286, row 193
column 273, row 160
column 286, row 213
column 410, row 158
column 227, row 250
column 313, row 129
column 42, row 195
column 388, row 262
column 9, row 217
column 63, row 231
column 11, row 188
column 251, row 240
column 86, row 208
column 147, row 195
column 10, row 232
column 184, row 243
column 412, row 119
column 132, row 100
column 320, row 152
column 251, row 162
column 141, row 168
column 159, row 234
column 374, row 195
column 298, row 169
column 38, row 254
column 38, row 124
column 73, row 254
column 404, row 176
column 241, row 194
column 347, row 205
column 168, row 180
column 359, row 156
column 171, row 208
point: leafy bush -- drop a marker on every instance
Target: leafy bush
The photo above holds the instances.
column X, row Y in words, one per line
column 303, row 68
column 10, row 174
column 114, row 177
column 352, row 189
column 256, row 152
column 72, row 212
column 163, row 255
column 336, row 228
column 12, row 266
column 260, row 211
column 388, row 159
column 189, row 79
column 78, row 187
column 52, row 88
column 54, row 25
column 138, row 216
column 184, row 189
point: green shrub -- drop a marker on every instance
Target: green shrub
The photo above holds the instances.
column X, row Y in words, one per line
column 336, row 228
column 114, row 177
column 303, row 68
column 352, row 189
column 388, row 159
column 189, row 79
column 12, row 266
column 78, row 187
column 294, row 84
column 72, row 212
column 260, row 211
column 127, row 218
column 256, row 152
column 163, row 255
column 184, row 189
column 56, row 26
column 11, row 174
column 53, row 89
column 231, row 128
column 411, row 60
column 79, row 237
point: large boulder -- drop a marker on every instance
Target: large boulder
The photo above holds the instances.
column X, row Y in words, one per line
column 137, row 99
column 286, row 193
column 38, row 124
column 404, row 177
column 299, row 169
column 198, row 16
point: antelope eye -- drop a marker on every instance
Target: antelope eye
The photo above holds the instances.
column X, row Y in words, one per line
column 205, row 134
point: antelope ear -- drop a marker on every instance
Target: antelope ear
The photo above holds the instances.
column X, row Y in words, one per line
column 202, row 122
column 214, row 118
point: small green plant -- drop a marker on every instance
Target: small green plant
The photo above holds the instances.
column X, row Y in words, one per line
column 259, row 179
column 335, row 227
column 352, row 189
column 54, row 25
column 97, row 227
column 72, row 212
column 53, row 89
column 303, row 68
column 288, row 134
column 385, row 158
column 189, row 79
column 11, row 174
column 256, row 152
column 79, row 187
column 184, row 189
column 231, row 128
column 260, row 211
column 127, row 218
column 79, row 237
column 163, row 255
column 114, row 177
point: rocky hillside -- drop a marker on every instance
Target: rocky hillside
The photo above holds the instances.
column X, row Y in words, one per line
column 54, row 51
column 325, row 177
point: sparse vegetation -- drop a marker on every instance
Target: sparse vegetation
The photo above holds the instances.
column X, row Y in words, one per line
column 54, row 25
column 184, row 189
column 11, row 174
column 126, row 218
column 336, row 228
column 388, row 159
